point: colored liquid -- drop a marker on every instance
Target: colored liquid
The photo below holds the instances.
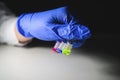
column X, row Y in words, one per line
column 67, row 49
column 63, row 48
column 56, row 46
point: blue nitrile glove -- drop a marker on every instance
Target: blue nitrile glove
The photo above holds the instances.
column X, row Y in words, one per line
column 51, row 25
column 81, row 35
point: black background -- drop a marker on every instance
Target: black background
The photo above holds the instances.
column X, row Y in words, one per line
column 99, row 15
column 89, row 12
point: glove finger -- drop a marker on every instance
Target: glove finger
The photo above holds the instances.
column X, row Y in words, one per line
column 75, row 32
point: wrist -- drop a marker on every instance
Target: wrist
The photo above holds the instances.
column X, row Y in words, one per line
column 20, row 37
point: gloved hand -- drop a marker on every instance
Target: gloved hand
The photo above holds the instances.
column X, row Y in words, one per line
column 52, row 25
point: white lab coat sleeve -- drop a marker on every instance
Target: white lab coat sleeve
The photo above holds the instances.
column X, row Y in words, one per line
column 7, row 33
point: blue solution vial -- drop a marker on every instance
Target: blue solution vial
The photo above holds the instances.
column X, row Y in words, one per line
column 60, row 47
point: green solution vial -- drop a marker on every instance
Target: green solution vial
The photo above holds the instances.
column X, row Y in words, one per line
column 67, row 49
